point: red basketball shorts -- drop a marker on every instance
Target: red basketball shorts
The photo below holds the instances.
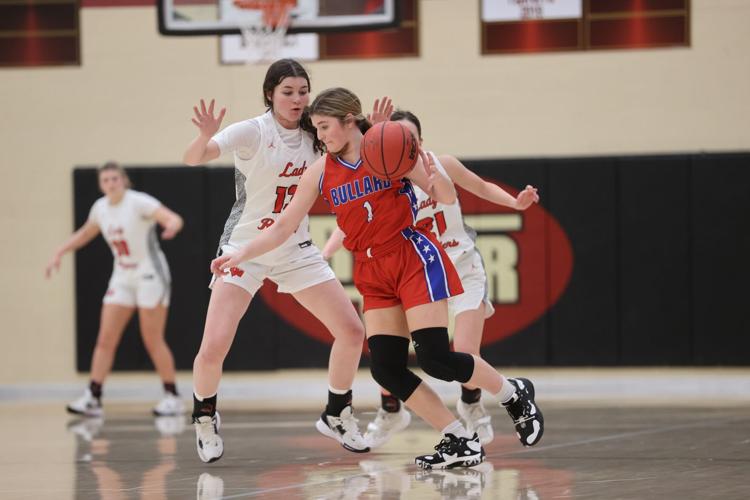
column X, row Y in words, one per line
column 409, row 272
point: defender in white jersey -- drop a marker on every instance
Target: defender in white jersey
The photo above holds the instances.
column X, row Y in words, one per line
column 140, row 279
column 469, row 309
column 271, row 152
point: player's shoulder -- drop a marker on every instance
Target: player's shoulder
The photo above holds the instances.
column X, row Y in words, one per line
column 140, row 196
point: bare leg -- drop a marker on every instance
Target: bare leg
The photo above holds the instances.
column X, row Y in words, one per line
column 226, row 307
column 153, row 322
column 329, row 303
column 467, row 335
column 114, row 319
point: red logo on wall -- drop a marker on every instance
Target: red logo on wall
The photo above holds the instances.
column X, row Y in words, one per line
column 542, row 269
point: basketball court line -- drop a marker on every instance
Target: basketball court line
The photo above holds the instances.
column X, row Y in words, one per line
column 612, row 437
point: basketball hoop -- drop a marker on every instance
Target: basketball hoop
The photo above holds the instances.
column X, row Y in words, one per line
column 264, row 36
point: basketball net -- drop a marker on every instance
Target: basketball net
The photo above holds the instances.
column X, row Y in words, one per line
column 264, row 39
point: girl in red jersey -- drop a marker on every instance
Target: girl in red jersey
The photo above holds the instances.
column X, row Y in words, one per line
column 403, row 274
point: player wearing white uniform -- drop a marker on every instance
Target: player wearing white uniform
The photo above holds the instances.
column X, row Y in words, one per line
column 140, row 279
column 270, row 154
column 469, row 309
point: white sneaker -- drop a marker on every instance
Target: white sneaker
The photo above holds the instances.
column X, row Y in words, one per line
column 209, row 487
column 385, row 425
column 477, row 420
column 87, row 405
column 207, row 439
column 343, row 429
column 168, row 406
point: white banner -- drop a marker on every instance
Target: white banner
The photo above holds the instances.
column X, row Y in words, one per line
column 519, row 10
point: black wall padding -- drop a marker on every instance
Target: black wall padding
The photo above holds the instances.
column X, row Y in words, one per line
column 583, row 324
column 654, row 258
column 720, row 219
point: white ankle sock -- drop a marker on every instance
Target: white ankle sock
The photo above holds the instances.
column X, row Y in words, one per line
column 457, row 429
column 338, row 391
column 507, row 391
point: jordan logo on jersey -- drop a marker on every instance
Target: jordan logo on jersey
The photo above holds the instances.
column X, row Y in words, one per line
column 355, row 189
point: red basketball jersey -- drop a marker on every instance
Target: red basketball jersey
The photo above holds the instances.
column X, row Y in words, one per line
column 368, row 210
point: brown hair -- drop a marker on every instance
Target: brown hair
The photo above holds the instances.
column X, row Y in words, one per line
column 285, row 68
column 113, row 165
column 338, row 103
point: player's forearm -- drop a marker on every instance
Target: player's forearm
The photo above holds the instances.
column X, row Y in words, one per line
column 496, row 194
column 268, row 240
column 333, row 244
column 196, row 151
column 76, row 241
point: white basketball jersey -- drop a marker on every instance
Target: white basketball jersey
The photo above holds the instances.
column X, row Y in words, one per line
column 264, row 185
column 447, row 221
column 129, row 229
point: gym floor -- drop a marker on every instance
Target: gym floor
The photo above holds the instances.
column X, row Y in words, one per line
column 594, row 447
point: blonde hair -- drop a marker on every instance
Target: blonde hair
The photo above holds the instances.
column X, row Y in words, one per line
column 113, row 165
column 339, row 103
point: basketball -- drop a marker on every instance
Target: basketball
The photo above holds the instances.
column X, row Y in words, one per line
column 389, row 150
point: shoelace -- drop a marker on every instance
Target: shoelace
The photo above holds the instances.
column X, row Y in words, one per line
column 524, row 415
column 207, row 430
column 349, row 423
column 446, row 445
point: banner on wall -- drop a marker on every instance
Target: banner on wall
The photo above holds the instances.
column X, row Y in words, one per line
column 520, row 10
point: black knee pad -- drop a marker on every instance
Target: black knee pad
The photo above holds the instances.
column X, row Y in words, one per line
column 389, row 356
column 436, row 358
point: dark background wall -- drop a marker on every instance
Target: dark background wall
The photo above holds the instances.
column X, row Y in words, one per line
column 659, row 274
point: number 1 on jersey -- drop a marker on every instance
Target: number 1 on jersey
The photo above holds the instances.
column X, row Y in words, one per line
column 368, row 207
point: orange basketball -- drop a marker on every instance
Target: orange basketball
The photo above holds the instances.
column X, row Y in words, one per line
column 389, row 150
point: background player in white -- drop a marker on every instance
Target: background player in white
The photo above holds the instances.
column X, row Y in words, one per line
column 469, row 309
column 271, row 152
column 140, row 279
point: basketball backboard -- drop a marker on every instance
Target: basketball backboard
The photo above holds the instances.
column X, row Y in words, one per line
column 223, row 17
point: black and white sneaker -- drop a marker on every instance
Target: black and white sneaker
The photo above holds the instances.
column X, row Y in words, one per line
column 208, row 442
column 87, row 405
column 526, row 415
column 453, row 452
column 343, row 429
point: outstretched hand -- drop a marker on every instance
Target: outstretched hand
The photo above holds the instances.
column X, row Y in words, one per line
column 52, row 266
column 205, row 120
column 381, row 110
column 526, row 198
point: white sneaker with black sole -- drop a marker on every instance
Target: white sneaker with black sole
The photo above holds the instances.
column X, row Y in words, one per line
column 207, row 439
column 169, row 405
column 343, row 429
column 453, row 452
column 385, row 425
column 477, row 420
column 87, row 405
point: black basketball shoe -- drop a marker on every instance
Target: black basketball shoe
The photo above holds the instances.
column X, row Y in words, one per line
column 452, row 452
column 526, row 415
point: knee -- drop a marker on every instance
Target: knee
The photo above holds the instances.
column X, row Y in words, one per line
column 437, row 360
column 211, row 352
column 388, row 365
column 353, row 332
